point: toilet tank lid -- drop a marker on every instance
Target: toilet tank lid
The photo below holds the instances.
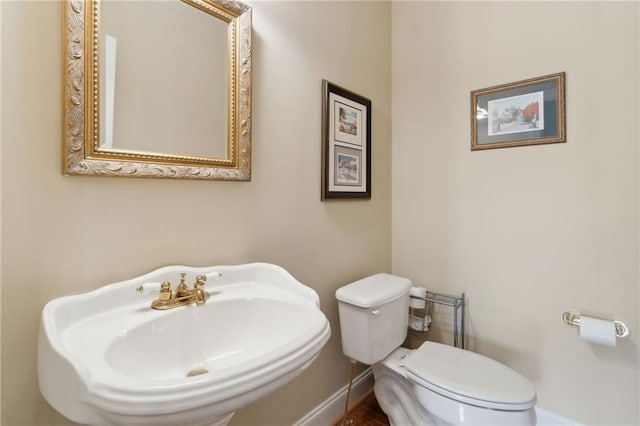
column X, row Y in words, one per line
column 374, row 290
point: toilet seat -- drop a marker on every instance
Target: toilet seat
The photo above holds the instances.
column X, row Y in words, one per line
column 469, row 378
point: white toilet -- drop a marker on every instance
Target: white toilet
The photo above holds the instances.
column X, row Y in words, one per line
column 435, row 384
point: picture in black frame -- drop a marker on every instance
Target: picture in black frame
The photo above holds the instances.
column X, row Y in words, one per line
column 346, row 143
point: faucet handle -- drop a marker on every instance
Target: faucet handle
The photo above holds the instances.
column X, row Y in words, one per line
column 200, row 280
column 165, row 291
column 199, row 293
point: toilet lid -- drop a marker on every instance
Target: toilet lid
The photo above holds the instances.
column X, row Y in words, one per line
column 469, row 377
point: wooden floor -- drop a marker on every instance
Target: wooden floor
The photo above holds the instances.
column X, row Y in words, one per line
column 366, row 412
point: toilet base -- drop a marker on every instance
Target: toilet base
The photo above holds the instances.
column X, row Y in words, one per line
column 397, row 400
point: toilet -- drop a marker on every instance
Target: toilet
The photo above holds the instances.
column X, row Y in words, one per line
column 435, row 384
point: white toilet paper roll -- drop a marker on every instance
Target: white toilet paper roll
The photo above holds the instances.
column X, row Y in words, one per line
column 598, row 331
column 417, row 292
column 420, row 324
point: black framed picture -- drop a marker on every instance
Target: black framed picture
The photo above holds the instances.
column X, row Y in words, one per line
column 346, row 143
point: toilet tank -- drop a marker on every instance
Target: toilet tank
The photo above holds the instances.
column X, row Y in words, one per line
column 373, row 316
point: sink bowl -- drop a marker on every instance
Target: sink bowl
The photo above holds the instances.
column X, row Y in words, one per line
column 107, row 358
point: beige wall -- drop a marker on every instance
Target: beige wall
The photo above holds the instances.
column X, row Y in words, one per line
column 0, row 212
column 526, row 232
column 64, row 235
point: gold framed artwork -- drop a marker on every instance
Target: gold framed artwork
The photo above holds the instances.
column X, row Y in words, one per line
column 346, row 143
column 527, row 112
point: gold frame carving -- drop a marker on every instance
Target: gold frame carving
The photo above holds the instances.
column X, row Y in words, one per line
column 82, row 152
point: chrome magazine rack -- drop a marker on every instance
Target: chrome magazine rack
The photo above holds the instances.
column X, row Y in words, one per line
column 457, row 305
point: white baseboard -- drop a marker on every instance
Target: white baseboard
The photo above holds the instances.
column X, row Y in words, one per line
column 331, row 409
column 546, row 418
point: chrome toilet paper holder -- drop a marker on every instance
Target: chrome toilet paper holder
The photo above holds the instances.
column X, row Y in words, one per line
column 573, row 319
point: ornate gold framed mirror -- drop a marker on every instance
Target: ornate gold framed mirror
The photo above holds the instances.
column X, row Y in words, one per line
column 157, row 89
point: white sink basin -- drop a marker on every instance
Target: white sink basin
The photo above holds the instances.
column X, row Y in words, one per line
column 105, row 357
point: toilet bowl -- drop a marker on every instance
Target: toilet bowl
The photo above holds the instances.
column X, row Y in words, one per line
column 435, row 384
column 442, row 385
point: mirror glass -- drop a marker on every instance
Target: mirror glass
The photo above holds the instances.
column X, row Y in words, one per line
column 163, row 91
column 158, row 89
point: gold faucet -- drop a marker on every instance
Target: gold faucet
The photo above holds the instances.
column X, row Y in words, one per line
column 168, row 299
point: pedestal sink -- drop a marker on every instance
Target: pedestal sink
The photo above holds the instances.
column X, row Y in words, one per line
column 107, row 358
